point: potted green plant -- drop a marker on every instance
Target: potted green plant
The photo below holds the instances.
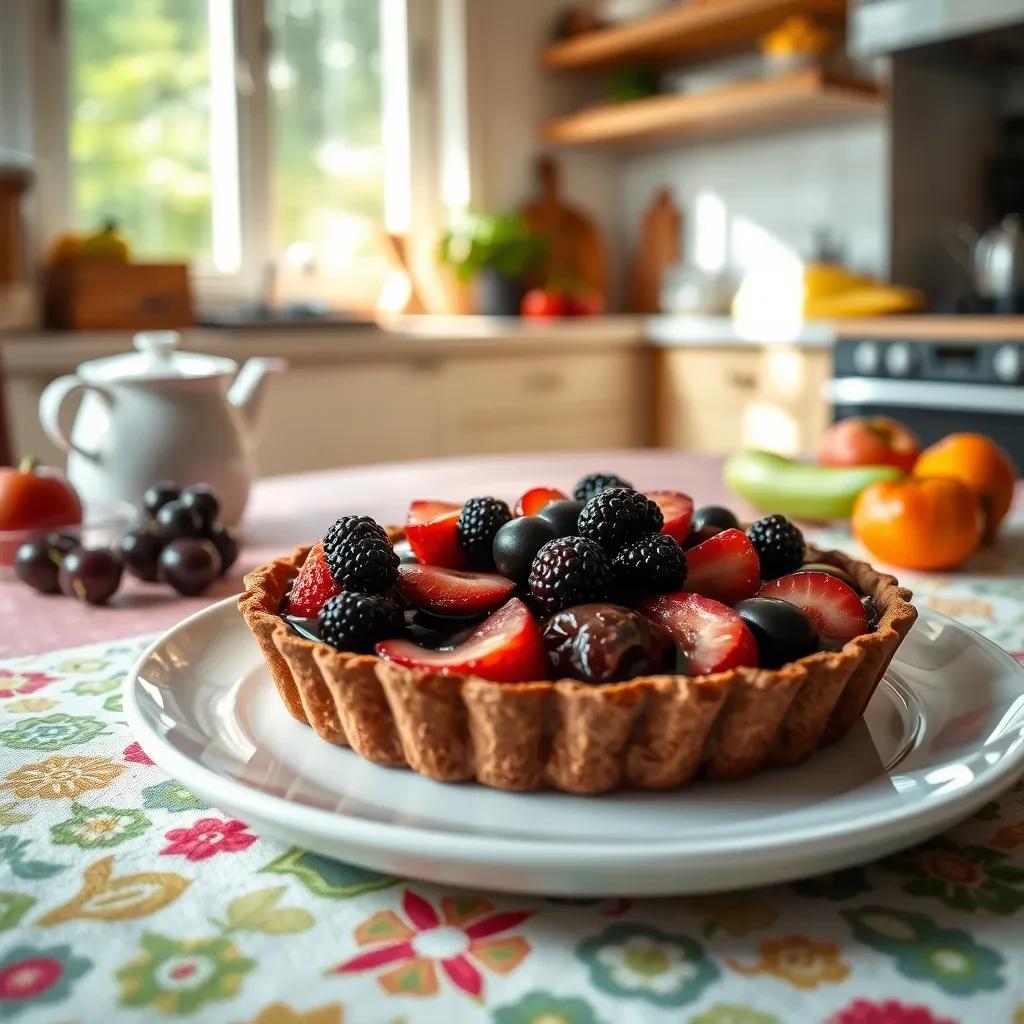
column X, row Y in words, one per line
column 497, row 250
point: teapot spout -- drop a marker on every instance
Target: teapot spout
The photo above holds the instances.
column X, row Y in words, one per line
column 249, row 386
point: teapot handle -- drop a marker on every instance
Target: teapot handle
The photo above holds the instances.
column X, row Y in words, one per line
column 51, row 402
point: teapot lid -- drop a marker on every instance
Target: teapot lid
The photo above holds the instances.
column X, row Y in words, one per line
column 156, row 357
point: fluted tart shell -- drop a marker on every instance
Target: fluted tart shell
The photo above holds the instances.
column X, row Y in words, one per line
column 652, row 732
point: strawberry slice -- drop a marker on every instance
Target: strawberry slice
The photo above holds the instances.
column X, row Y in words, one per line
column 506, row 648
column 832, row 605
column 430, row 531
column 710, row 635
column 536, row 498
column 724, row 567
column 452, row 591
column 677, row 510
column 313, row 585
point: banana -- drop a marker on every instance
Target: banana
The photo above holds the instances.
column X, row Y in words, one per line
column 802, row 490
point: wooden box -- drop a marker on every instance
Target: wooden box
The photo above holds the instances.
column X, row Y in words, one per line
column 94, row 294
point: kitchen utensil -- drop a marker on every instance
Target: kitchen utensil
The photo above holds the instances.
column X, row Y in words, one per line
column 929, row 752
column 658, row 248
column 159, row 414
column 999, row 260
column 577, row 253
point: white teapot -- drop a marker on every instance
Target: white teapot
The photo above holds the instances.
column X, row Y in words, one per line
column 160, row 414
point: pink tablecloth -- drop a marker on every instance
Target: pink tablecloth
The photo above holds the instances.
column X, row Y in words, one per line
column 285, row 511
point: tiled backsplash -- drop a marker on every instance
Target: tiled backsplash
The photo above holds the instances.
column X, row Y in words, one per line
column 744, row 198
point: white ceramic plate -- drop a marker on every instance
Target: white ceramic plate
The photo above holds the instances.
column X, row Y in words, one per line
column 943, row 734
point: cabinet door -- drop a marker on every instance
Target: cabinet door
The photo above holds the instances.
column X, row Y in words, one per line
column 537, row 402
column 790, row 408
column 338, row 414
column 718, row 400
column 701, row 397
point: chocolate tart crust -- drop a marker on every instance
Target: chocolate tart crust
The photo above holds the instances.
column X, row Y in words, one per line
column 653, row 732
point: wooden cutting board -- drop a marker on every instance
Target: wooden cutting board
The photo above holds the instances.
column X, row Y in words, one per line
column 658, row 247
column 577, row 254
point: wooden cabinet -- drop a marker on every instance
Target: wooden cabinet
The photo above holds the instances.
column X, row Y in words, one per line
column 718, row 399
column 341, row 413
column 534, row 402
column 377, row 410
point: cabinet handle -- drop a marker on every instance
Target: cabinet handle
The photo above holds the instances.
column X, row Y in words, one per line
column 542, row 382
column 424, row 364
column 743, row 380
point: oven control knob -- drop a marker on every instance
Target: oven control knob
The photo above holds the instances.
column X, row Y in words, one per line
column 1007, row 363
column 866, row 358
column 900, row 359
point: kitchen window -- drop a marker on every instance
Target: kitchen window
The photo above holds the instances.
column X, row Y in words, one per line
column 234, row 133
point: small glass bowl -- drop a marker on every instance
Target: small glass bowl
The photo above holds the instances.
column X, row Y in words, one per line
column 103, row 524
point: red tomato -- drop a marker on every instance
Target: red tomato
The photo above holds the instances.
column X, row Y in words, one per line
column 33, row 498
column 588, row 303
column 544, row 304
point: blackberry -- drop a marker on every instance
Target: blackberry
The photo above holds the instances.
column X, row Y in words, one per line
column 360, row 556
column 618, row 515
column 479, row 521
column 355, row 622
column 349, row 526
column 652, row 564
column 779, row 545
column 594, row 483
column 568, row 571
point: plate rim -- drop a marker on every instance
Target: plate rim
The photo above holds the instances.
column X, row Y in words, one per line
column 337, row 827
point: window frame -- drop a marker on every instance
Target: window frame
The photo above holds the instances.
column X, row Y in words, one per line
column 48, row 97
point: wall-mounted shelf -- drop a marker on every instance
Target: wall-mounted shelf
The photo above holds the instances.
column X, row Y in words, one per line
column 692, row 30
column 809, row 94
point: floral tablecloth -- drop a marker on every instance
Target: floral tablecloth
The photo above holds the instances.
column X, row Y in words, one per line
column 123, row 897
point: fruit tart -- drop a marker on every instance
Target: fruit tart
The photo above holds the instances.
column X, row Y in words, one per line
column 612, row 638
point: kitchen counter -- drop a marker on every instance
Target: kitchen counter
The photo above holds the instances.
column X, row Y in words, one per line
column 40, row 352
column 61, row 351
column 934, row 326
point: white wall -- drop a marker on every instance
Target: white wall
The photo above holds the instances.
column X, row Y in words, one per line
column 510, row 96
column 788, row 184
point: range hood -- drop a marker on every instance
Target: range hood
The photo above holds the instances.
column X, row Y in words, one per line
column 879, row 27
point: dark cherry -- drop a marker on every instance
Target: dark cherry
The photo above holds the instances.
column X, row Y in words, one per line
column 140, row 553
column 38, row 565
column 695, row 537
column 832, row 570
column 516, row 543
column 604, row 643
column 202, row 498
column 159, row 495
column 63, row 543
column 91, row 574
column 176, row 521
column 714, row 515
column 226, row 544
column 189, row 565
column 782, row 631
column 563, row 516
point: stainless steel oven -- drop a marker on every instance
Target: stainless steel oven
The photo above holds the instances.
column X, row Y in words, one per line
column 934, row 386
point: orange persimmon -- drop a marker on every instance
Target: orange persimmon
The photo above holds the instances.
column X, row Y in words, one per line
column 918, row 523
column 981, row 464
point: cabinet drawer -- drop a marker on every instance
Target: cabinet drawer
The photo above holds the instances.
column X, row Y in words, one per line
column 536, row 403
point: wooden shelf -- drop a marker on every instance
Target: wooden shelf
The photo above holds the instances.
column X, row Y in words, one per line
column 809, row 94
column 696, row 28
